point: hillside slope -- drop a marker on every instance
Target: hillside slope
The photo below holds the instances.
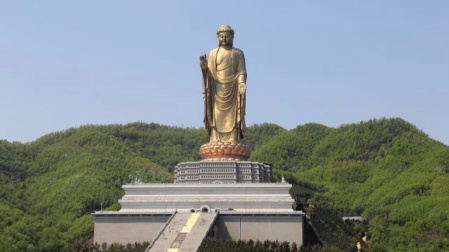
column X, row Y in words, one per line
column 385, row 170
column 49, row 187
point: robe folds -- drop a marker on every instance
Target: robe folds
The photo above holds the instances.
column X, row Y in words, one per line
column 224, row 107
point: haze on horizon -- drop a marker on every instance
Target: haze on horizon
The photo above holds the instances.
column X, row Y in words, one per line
column 67, row 64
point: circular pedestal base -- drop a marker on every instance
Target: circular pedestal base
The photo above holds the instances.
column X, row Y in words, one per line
column 224, row 151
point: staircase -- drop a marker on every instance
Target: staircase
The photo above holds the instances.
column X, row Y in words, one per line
column 185, row 232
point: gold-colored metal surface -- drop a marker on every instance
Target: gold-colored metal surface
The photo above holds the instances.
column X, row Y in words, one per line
column 218, row 150
column 224, row 89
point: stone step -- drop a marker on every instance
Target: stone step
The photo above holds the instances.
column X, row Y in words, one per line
column 185, row 232
column 198, row 233
column 171, row 231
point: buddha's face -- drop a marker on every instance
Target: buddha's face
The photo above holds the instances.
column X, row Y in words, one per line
column 225, row 39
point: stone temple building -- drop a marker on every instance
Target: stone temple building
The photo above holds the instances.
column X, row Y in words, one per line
column 217, row 199
column 207, row 172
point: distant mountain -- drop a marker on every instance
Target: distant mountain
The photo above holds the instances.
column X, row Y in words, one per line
column 386, row 171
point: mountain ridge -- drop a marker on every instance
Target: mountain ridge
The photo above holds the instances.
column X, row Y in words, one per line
column 385, row 170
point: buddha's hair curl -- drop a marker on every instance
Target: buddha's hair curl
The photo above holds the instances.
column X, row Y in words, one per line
column 225, row 28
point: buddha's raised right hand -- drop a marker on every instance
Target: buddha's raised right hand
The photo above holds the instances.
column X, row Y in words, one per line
column 203, row 62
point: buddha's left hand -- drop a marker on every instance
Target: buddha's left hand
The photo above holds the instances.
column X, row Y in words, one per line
column 242, row 88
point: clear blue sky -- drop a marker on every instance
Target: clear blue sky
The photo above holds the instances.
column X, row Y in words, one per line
column 65, row 64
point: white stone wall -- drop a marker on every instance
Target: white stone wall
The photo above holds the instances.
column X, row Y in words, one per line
column 247, row 227
column 134, row 228
column 254, row 197
column 127, row 229
column 257, row 211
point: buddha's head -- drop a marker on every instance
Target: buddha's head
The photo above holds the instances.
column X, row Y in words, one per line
column 225, row 35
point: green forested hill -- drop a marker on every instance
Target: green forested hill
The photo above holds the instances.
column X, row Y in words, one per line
column 384, row 170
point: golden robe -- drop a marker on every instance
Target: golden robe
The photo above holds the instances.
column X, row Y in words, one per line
column 224, row 107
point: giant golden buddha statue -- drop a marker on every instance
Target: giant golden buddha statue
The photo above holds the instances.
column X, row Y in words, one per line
column 224, row 91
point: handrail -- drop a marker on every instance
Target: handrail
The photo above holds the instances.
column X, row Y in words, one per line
column 211, row 225
column 160, row 232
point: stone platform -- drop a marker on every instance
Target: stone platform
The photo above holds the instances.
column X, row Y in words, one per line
column 260, row 197
column 240, row 195
column 257, row 211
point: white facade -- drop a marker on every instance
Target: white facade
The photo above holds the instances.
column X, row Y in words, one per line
column 226, row 172
column 247, row 208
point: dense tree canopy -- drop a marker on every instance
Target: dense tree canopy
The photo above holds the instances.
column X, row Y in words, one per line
column 385, row 170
